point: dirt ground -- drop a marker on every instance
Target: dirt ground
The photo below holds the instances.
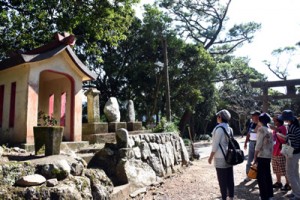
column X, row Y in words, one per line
column 199, row 181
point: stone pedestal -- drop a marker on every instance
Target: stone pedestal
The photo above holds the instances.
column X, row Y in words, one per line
column 134, row 126
column 94, row 128
column 114, row 126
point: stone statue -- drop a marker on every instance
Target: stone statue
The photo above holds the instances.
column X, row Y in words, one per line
column 131, row 112
column 111, row 110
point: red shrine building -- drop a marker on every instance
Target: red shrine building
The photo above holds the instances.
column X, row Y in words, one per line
column 47, row 79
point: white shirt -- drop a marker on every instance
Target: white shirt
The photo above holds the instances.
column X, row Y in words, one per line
column 220, row 138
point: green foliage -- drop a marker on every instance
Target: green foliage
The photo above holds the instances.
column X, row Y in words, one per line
column 204, row 22
column 46, row 120
column 204, row 137
column 29, row 24
column 282, row 58
column 165, row 126
column 123, row 50
column 131, row 73
column 103, row 118
column 187, row 142
column 235, row 91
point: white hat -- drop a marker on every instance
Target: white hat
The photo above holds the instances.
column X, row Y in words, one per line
column 225, row 114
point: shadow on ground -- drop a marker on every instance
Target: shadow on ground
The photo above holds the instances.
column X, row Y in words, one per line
column 249, row 190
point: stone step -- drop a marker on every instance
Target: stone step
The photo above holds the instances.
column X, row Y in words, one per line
column 74, row 146
column 87, row 153
column 91, row 148
column 100, row 138
column 107, row 137
column 86, row 156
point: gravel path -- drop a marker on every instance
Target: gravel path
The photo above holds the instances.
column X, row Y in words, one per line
column 199, row 181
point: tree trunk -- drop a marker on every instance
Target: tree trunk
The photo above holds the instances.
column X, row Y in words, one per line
column 156, row 96
column 185, row 120
column 166, row 73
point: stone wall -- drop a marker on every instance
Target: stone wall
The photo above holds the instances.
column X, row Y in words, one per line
column 162, row 151
column 134, row 160
column 142, row 159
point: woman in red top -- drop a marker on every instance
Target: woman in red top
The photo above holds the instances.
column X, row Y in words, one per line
column 278, row 160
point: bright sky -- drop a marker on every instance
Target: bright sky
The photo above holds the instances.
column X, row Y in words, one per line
column 280, row 21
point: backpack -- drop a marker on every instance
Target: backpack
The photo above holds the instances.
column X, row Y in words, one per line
column 234, row 154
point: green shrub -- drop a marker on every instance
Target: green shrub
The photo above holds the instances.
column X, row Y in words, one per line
column 187, row 142
column 165, row 126
column 204, row 137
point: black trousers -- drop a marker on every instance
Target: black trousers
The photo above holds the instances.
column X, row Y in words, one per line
column 226, row 182
column 264, row 178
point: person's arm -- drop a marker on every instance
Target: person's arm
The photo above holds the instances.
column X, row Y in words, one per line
column 211, row 156
column 272, row 127
column 246, row 141
column 281, row 134
column 281, row 137
column 255, row 156
column 215, row 143
column 259, row 143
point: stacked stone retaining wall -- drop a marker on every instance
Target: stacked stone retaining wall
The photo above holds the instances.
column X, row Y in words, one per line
column 141, row 159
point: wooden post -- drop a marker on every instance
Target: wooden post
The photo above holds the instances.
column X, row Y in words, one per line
column 192, row 143
column 265, row 99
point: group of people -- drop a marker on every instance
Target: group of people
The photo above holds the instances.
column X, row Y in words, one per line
column 263, row 141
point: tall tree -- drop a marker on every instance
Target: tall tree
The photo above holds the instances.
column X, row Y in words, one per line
column 235, row 90
column 283, row 58
column 204, row 21
column 28, row 24
column 191, row 68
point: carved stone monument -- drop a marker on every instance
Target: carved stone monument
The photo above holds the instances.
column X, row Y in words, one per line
column 112, row 113
column 111, row 110
column 132, row 125
column 93, row 105
column 131, row 111
column 94, row 125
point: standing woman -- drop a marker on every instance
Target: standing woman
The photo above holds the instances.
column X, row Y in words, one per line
column 262, row 156
column 292, row 164
column 224, row 170
column 251, row 138
column 278, row 160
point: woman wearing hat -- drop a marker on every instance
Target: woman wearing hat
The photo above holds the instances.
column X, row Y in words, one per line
column 262, row 157
column 224, row 170
column 292, row 164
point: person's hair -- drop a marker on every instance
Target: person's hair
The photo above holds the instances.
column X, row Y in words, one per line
column 264, row 118
column 263, row 122
column 295, row 122
column 224, row 115
column 224, row 120
column 281, row 122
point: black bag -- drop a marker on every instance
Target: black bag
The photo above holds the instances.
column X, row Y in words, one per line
column 234, row 154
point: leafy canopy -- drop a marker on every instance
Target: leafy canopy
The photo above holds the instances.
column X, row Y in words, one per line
column 205, row 22
column 25, row 25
